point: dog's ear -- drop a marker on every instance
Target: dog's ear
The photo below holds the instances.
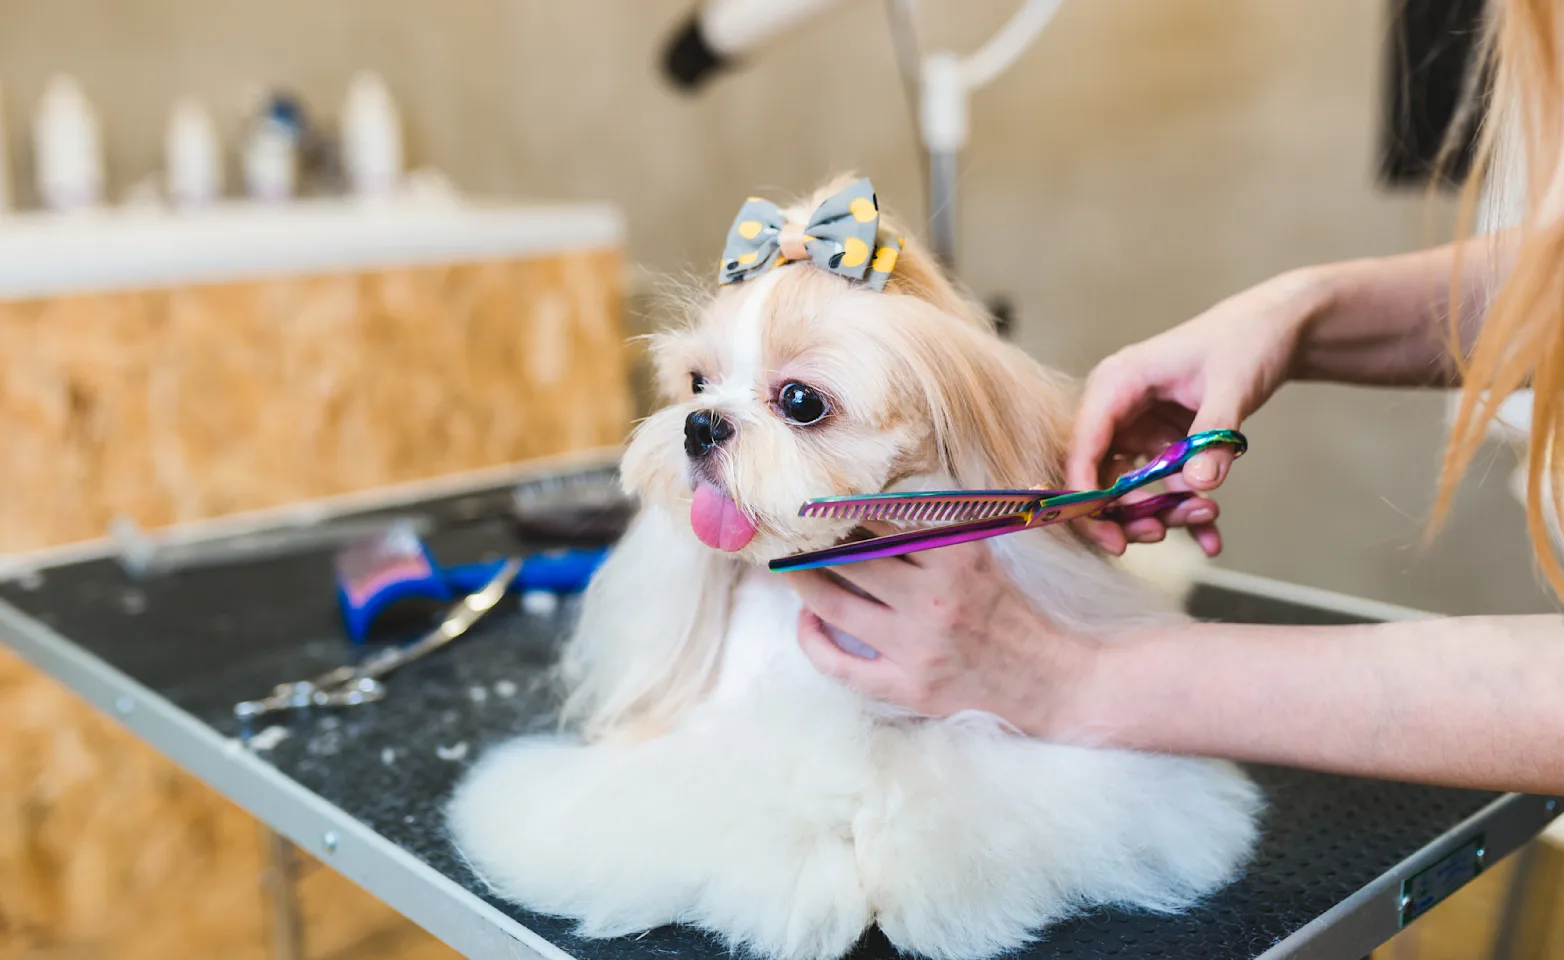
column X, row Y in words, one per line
column 1000, row 418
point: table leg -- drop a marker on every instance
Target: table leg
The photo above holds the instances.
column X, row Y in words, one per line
column 279, row 884
column 1509, row 937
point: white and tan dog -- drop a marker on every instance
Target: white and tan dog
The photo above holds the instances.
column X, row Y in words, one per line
column 715, row 778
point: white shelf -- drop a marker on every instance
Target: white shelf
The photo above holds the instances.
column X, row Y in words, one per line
column 47, row 254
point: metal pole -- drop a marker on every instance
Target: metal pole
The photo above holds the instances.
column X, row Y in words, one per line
column 942, row 208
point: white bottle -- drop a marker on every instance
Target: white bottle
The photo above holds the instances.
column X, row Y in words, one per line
column 192, row 157
column 371, row 138
column 270, row 161
column 68, row 148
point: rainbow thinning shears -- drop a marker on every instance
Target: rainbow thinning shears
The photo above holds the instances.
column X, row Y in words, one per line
column 977, row 514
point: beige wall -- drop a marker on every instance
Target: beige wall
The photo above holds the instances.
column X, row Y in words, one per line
column 1144, row 160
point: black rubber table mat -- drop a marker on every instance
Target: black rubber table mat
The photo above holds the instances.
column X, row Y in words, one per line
column 205, row 639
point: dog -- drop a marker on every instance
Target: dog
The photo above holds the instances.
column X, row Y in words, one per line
column 711, row 775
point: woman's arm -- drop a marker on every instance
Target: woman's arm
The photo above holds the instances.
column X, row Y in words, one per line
column 1467, row 702
column 1385, row 321
column 1471, row 702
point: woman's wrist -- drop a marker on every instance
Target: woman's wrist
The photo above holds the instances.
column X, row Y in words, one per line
column 1128, row 690
column 1069, row 700
column 1310, row 299
column 1377, row 321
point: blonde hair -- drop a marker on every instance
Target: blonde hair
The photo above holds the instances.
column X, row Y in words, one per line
column 1521, row 342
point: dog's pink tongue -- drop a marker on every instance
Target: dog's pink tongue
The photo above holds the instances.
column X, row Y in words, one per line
column 718, row 521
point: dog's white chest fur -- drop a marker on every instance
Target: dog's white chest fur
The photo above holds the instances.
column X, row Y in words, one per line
column 761, row 639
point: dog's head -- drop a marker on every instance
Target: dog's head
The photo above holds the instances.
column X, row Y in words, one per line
column 798, row 384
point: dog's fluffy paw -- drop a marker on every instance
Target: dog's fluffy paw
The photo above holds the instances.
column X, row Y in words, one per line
column 741, row 831
column 799, row 900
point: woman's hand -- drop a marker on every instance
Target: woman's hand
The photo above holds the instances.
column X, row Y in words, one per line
column 1207, row 374
column 938, row 632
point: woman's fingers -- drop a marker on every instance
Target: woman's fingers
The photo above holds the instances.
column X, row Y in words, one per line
column 826, row 597
column 1206, row 470
column 1120, row 421
column 1109, row 536
column 1148, row 435
column 1145, row 530
column 1114, row 394
column 887, row 578
column 1197, row 514
column 1223, row 410
column 1208, row 537
column 1195, row 511
column 829, row 657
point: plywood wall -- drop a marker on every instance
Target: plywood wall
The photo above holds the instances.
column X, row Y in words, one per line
column 177, row 405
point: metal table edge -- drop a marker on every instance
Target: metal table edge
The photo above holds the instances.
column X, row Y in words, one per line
column 1371, row 916
column 1287, row 591
column 318, row 509
column 459, row 918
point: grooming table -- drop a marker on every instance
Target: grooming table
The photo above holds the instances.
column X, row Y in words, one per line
column 1343, row 863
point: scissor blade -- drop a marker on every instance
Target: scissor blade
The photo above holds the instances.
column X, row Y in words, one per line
column 900, row 543
column 933, row 506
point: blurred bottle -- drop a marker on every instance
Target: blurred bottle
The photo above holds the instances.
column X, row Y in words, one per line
column 371, row 138
column 192, row 157
column 271, row 155
column 67, row 147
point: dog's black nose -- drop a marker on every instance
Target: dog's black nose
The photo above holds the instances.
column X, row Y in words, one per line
column 705, row 431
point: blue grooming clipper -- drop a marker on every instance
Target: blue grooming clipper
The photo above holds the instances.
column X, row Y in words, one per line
column 377, row 572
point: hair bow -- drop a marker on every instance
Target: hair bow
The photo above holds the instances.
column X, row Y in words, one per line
column 842, row 237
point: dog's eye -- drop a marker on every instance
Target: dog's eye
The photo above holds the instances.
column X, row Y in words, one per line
column 800, row 403
column 697, row 383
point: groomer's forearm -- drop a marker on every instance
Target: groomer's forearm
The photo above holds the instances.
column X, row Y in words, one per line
column 1464, row 701
column 1385, row 321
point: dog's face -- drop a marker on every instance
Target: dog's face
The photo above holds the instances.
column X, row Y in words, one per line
column 782, row 390
column 800, row 384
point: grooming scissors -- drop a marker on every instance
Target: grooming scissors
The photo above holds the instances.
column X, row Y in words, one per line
column 977, row 514
column 353, row 684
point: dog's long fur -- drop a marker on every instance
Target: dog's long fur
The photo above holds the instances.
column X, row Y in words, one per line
column 717, row 779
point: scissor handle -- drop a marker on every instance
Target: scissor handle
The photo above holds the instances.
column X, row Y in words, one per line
column 1172, row 460
column 1122, row 513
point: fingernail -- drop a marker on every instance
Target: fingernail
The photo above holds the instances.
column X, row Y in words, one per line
column 848, row 643
column 1201, row 468
column 1202, row 515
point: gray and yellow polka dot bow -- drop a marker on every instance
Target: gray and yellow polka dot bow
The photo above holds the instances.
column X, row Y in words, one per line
column 840, row 237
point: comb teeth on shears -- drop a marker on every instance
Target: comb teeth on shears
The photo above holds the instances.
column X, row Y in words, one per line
column 934, row 508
